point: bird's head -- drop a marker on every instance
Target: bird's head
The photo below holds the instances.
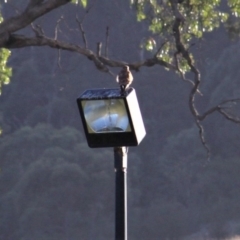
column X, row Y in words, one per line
column 125, row 67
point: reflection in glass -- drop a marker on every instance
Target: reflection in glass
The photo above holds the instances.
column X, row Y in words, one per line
column 106, row 116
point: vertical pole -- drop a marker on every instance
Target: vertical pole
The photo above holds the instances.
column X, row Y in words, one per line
column 120, row 164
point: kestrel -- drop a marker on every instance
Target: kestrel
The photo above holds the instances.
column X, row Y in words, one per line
column 124, row 78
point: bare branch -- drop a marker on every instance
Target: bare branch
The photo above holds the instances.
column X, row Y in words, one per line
column 57, row 28
column 160, row 48
column 107, row 41
column 30, row 14
column 19, row 41
column 185, row 54
column 59, row 59
column 218, row 108
column 234, row 100
column 37, row 30
column 229, row 117
column 99, row 49
column 202, row 138
column 82, row 32
column 88, row 10
column 80, row 24
column 182, row 75
column 181, row 49
column 137, row 65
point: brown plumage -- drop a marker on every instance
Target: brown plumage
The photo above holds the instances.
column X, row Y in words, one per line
column 124, row 78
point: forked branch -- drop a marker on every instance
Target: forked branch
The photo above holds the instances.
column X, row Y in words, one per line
column 182, row 50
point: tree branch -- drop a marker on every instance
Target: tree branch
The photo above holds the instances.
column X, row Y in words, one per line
column 181, row 49
column 38, row 8
column 57, row 28
column 20, row 41
column 107, row 41
column 220, row 108
column 82, row 32
column 31, row 13
column 229, row 117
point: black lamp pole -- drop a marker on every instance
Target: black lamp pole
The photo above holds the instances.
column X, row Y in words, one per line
column 120, row 164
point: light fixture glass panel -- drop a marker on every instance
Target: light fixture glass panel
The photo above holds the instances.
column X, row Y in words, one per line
column 108, row 115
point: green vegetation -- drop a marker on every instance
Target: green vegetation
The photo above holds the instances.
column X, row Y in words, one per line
column 5, row 70
column 197, row 16
column 82, row 2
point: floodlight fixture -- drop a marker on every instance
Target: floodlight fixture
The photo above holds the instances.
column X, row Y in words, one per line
column 111, row 118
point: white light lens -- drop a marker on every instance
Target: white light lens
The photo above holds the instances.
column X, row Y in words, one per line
column 106, row 116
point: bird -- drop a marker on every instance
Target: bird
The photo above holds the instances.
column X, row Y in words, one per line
column 124, row 78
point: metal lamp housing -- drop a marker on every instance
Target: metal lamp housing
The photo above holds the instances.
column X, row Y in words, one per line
column 111, row 118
